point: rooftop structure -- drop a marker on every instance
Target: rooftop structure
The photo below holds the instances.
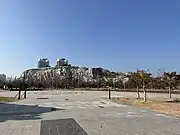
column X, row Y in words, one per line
column 42, row 63
column 62, row 62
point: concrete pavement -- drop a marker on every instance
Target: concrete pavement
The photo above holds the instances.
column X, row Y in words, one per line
column 94, row 114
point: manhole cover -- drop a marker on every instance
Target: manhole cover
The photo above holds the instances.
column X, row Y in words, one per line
column 61, row 127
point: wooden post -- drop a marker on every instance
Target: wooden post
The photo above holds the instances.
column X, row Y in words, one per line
column 25, row 86
column 19, row 95
column 25, row 90
column 109, row 93
column 25, row 94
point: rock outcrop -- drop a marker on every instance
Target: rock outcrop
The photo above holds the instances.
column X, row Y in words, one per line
column 70, row 75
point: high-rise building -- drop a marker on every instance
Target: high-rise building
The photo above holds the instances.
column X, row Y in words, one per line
column 2, row 78
column 43, row 63
column 62, row 62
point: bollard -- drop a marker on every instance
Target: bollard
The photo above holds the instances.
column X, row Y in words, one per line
column 19, row 96
column 25, row 93
column 109, row 93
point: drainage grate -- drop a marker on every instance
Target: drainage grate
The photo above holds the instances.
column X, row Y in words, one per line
column 61, row 127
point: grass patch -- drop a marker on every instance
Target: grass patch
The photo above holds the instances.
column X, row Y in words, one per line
column 159, row 105
column 7, row 99
column 137, row 101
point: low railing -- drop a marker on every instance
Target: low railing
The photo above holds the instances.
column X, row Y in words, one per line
column 28, row 89
column 176, row 91
column 129, row 90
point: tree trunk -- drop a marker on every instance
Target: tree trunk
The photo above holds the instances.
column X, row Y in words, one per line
column 138, row 95
column 170, row 93
column 151, row 85
column 145, row 97
column 124, row 86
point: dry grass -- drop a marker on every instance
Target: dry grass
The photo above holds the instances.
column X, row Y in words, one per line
column 134, row 101
column 159, row 105
column 166, row 108
column 7, row 99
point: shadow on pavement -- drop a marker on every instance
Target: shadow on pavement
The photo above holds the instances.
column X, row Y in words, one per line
column 22, row 112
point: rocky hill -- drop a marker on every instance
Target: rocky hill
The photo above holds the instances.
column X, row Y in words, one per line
column 70, row 75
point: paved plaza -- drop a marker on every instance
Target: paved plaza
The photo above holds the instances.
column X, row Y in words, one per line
column 90, row 110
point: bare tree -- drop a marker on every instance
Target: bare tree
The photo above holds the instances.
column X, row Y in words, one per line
column 171, row 79
column 135, row 77
column 145, row 78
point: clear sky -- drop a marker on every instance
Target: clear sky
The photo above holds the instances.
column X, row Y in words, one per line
column 120, row 35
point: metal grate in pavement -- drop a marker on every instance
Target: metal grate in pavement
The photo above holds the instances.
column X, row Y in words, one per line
column 61, row 127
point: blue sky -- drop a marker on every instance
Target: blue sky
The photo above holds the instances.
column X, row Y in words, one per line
column 120, row 35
